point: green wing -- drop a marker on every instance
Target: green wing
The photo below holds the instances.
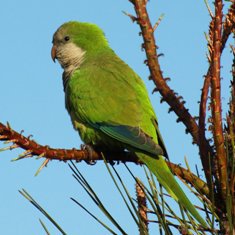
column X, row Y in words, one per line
column 133, row 137
column 112, row 98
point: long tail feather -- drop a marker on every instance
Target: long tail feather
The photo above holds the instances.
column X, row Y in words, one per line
column 160, row 169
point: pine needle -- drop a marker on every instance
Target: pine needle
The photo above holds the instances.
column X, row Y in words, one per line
column 25, row 194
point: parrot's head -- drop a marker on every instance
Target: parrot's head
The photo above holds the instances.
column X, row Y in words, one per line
column 73, row 41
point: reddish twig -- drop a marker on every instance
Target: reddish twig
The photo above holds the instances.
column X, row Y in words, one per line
column 156, row 74
column 229, row 27
column 203, row 148
column 216, row 108
column 35, row 149
column 168, row 94
column 202, row 111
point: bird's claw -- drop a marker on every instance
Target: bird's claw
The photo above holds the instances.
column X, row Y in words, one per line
column 90, row 151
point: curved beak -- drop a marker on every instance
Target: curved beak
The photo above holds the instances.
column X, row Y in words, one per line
column 53, row 53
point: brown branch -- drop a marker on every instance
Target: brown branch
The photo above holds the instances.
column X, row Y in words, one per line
column 204, row 95
column 32, row 148
column 230, row 138
column 156, row 73
column 168, row 95
column 216, row 95
column 190, row 178
column 203, row 148
column 228, row 28
column 228, row 25
column 232, row 99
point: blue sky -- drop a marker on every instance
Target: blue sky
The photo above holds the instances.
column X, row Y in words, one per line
column 32, row 99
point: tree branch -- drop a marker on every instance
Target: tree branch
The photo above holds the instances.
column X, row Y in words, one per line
column 156, row 74
column 32, row 148
column 205, row 151
column 168, row 94
column 228, row 25
column 228, row 28
column 216, row 96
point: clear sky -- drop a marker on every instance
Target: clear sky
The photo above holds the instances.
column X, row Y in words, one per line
column 32, row 99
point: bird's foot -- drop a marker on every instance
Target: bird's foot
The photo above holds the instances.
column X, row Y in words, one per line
column 90, row 151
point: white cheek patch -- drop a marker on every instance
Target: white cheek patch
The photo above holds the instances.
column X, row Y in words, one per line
column 70, row 56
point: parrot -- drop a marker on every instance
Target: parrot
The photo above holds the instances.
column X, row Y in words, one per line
column 109, row 104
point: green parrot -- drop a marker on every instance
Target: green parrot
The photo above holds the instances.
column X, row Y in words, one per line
column 108, row 102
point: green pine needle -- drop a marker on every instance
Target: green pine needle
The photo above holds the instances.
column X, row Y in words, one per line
column 25, row 194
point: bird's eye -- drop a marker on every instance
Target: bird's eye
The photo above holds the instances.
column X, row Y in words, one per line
column 66, row 38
